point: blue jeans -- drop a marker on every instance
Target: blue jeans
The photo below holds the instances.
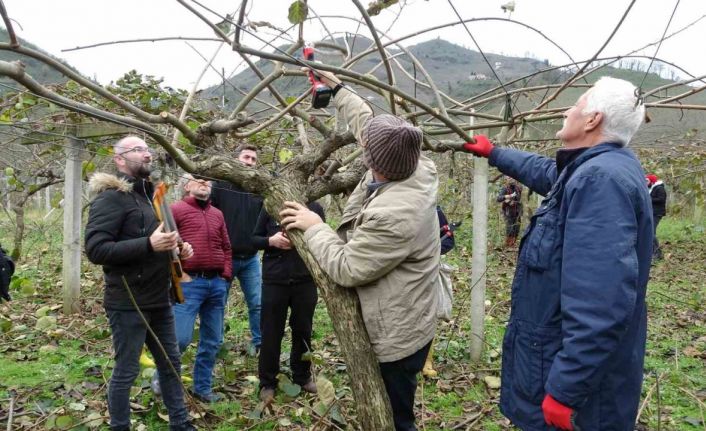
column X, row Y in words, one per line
column 249, row 274
column 129, row 335
column 205, row 297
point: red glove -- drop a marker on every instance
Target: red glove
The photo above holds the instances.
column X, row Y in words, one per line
column 481, row 148
column 557, row 414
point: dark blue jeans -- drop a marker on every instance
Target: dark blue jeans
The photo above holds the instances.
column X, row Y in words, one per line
column 249, row 274
column 205, row 297
column 129, row 335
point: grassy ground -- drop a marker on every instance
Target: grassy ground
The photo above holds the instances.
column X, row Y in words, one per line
column 55, row 367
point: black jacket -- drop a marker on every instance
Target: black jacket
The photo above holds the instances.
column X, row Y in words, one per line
column 280, row 266
column 120, row 222
column 240, row 210
column 446, row 234
column 658, row 194
column 7, row 268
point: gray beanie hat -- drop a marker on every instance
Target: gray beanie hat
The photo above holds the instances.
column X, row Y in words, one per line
column 391, row 146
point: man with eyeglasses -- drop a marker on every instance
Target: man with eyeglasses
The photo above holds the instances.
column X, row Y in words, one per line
column 124, row 235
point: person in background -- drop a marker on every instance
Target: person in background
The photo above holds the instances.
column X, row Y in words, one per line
column 7, row 268
column 574, row 348
column 446, row 236
column 241, row 210
column 203, row 226
column 286, row 285
column 511, row 197
column 658, row 195
column 125, row 237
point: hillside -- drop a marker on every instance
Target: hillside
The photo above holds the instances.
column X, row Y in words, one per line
column 462, row 73
column 36, row 69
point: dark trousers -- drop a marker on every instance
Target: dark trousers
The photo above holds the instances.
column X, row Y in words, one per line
column 277, row 298
column 400, row 379
column 656, row 251
column 512, row 225
column 129, row 335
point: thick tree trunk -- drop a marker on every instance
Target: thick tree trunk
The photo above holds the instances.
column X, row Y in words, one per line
column 372, row 403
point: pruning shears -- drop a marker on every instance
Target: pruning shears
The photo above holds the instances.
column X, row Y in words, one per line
column 320, row 92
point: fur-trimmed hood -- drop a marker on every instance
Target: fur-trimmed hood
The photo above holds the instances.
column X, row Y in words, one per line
column 102, row 181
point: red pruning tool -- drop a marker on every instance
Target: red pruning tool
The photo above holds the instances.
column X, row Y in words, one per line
column 320, row 93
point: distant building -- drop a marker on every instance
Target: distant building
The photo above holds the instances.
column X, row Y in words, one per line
column 477, row 77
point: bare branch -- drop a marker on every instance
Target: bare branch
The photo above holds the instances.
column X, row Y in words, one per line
column 383, row 55
column 357, row 77
column 225, row 126
column 153, row 39
column 338, row 183
column 10, row 30
column 588, row 63
column 279, row 115
column 15, row 71
column 227, row 168
column 66, row 71
column 213, row 26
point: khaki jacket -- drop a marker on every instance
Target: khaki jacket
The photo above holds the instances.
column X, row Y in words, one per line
column 387, row 248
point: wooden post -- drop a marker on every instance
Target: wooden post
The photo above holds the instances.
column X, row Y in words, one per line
column 480, row 254
column 71, row 268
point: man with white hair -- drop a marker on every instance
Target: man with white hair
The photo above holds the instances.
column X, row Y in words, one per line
column 574, row 347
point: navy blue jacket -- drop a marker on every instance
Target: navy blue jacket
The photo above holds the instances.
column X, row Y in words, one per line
column 578, row 322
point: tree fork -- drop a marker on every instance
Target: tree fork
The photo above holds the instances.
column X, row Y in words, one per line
column 343, row 306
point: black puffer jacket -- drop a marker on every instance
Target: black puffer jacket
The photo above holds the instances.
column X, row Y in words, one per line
column 120, row 222
column 280, row 266
column 658, row 194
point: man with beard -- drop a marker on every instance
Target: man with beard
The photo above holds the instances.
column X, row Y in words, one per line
column 241, row 210
column 125, row 237
column 574, row 348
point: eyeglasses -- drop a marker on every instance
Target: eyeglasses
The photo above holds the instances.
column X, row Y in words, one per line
column 139, row 150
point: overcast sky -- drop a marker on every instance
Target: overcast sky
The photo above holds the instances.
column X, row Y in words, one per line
column 579, row 26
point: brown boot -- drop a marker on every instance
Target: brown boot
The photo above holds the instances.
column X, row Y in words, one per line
column 310, row 387
column 267, row 395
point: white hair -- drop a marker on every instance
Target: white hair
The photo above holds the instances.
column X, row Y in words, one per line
column 617, row 101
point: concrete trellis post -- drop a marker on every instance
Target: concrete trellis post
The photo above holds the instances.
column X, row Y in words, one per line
column 71, row 268
column 480, row 254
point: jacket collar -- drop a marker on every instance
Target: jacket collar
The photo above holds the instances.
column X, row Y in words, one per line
column 142, row 186
column 193, row 202
column 575, row 157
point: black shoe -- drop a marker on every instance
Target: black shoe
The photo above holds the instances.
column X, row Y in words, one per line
column 186, row 426
column 252, row 350
column 208, row 398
